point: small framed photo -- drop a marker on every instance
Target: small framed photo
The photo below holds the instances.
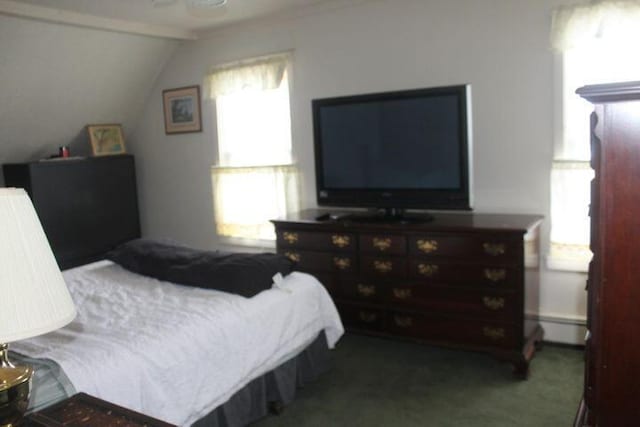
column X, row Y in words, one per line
column 106, row 139
column 182, row 110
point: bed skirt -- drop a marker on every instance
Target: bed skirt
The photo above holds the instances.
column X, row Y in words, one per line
column 267, row 393
column 273, row 390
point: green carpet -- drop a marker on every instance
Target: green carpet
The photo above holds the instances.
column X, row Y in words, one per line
column 380, row 382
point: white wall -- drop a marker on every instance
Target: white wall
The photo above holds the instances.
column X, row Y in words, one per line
column 55, row 79
column 349, row 47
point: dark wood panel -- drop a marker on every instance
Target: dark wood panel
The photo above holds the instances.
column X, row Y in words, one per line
column 362, row 318
column 453, row 330
column 335, row 241
column 471, row 275
column 445, row 300
column 613, row 346
column 617, row 250
column 321, row 261
column 489, row 248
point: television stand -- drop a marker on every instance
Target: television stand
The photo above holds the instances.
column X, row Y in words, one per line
column 459, row 280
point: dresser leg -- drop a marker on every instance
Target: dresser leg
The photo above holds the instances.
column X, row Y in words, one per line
column 521, row 369
column 521, row 361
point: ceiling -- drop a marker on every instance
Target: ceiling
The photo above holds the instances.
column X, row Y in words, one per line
column 176, row 14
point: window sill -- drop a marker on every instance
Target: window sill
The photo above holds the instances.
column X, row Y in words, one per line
column 578, row 265
column 238, row 244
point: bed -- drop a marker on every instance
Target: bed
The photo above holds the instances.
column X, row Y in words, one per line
column 183, row 353
column 243, row 354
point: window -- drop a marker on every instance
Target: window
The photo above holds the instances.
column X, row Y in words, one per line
column 255, row 179
column 595, row 41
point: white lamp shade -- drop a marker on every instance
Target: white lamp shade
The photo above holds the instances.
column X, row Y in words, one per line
column 34, row 298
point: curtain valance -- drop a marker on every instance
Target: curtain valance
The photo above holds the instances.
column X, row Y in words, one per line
column 575, row 24
column 259, row 74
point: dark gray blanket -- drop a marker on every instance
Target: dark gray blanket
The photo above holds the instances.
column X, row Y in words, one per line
column 244, row 274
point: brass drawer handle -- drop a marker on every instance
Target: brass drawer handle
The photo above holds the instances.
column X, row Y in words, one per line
column 495, row 274
column 366, row 290
column 342, row 263
column 367, row 316
column 293, row 256
column 428, row 270
column 402, row 293
column 493, row 333
column 340, row 240
column 494, row 249
column 403, row 321
column 493, row 303
column 427, row 246
column 381, row 243
column 290, row 237
column 382, row 266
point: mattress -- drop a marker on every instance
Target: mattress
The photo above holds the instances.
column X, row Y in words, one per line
column 176, row 352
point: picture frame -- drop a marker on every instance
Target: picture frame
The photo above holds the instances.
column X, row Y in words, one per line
column 181, row 108
column 106, row 139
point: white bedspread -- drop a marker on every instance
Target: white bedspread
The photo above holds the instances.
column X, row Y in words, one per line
column 177, row 352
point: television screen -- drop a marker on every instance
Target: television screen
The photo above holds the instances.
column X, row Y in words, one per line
column 408, row 149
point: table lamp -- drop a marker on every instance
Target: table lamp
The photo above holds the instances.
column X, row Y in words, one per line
column 34, row 298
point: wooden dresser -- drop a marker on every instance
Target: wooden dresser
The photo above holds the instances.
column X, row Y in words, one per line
column 612, row 371
column 459, row 280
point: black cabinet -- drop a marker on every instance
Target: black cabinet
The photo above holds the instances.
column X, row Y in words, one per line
column 86, row 206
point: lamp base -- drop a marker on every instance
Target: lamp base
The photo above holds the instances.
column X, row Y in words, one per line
column 15, row 387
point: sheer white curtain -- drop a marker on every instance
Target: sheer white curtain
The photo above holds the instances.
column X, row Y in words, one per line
column 596, row 41
column 247, row 197
column 254, row 180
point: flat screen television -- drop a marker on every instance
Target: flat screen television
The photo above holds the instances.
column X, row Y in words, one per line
column 395, row 150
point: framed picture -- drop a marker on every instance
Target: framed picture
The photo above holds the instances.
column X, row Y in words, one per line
column 106, row 139
column 182, row 110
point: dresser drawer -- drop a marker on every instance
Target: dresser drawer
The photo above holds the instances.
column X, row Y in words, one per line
column 431, row 270
column 388, row 244
column 361, row 318
column 378, row 266
column 311, row 261
column 361, row 289
column 333, row 241
column 442, row 299
column 481, row 249
column 452, row 330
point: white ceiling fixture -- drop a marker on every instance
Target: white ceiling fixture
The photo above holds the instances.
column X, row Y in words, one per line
column 206, row 3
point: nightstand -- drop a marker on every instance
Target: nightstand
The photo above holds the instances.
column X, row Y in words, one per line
column 84, row 410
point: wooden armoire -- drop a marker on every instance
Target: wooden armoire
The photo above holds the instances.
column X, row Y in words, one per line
column 612, row 369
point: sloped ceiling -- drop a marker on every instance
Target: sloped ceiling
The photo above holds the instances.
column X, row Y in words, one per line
column 55, row 79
